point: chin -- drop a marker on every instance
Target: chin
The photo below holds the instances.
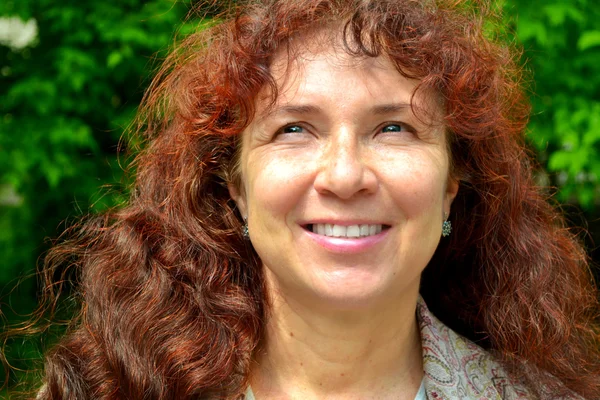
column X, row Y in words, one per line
column 351, row 296
column 364, row 290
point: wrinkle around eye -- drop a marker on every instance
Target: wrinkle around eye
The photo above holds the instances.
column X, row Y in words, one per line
column 293, row 132
column 396, row 131
column 292, row 129
column 402, row 127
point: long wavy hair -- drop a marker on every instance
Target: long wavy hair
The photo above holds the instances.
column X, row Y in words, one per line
column 172, row 296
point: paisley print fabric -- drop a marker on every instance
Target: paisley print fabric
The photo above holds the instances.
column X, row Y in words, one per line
column 456, row 368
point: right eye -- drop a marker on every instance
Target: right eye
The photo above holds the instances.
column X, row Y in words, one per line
column 293, row 133
column 291, row 129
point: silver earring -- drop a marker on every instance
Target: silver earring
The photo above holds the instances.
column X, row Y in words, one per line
column 245, row 232
column 446, row 228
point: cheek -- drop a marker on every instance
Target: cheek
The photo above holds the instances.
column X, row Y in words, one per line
column 418, row 185
column 277, row 184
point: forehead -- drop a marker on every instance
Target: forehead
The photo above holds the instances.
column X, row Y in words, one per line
column 320, row 65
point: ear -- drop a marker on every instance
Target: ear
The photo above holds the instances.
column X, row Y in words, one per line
column 451, row 192
column 239, row 198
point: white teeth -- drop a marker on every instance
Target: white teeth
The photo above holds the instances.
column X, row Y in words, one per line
column 372, row 230
column 351, row 231
column 364, row 230
column 320, row 228
column 328, row 230
column 339, row 230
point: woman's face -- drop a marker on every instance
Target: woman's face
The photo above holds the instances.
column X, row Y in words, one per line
column 344, row 188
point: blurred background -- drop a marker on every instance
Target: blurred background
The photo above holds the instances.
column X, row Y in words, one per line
column 73, row 72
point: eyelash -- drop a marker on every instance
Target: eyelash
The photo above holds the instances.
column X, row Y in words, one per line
column 282, row 130
column 292, row 131
column 403, row 128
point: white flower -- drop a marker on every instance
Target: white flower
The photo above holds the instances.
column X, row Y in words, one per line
column 17, row 34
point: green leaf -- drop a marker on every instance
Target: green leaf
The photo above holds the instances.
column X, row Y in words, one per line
column 588, row 40
column 557, row 13
column 560, row 160
column 114, row 59
column 528, row 29
column 586, row 197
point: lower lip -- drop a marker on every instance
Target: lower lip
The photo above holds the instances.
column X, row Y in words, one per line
column 347, row 245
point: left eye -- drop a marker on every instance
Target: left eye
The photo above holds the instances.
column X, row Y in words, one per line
column 394, row 128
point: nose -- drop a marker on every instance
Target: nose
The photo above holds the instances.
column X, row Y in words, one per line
column 343, row 171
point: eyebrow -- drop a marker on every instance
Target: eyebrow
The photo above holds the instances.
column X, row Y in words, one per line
column 391, row 108
column 294, row 109
column 301, row 109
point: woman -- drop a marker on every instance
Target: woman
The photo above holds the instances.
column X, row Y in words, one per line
column 311, row 167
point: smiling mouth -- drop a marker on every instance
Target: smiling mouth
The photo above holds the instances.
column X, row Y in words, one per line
column 350, row 231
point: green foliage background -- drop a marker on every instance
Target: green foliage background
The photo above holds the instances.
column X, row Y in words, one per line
column 66, row 99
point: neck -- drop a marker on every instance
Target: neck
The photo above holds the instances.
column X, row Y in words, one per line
column 311, row 352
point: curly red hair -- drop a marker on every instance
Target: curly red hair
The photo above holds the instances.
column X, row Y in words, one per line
column 173, row 303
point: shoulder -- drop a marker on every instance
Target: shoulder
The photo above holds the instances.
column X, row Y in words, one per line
column 455, row 367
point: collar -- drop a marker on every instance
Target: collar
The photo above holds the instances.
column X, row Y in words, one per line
column 456, row 368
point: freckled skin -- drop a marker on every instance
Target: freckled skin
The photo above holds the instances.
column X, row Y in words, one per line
column 338, row 158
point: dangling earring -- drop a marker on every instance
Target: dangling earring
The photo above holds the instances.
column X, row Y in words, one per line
column 245, row 232
column 446, row 228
